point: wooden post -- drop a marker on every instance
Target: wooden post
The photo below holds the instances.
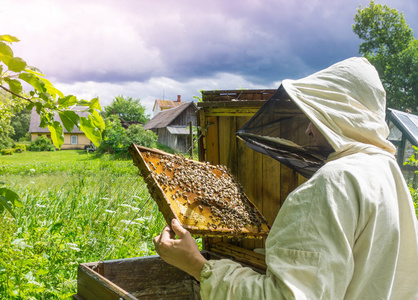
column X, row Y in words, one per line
column 191, row 139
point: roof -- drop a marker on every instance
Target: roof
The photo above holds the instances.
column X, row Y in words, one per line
column 406, row 122
column 35, row 121
column 167, row 104
column 165, row 117
column 178, row 129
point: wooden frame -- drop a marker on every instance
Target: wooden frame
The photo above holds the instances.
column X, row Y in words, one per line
column 137, row 278
column 193, row 214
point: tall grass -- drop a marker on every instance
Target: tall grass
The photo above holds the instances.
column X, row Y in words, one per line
column 75, row 211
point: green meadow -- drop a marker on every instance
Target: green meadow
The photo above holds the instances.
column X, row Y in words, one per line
column 77, row 208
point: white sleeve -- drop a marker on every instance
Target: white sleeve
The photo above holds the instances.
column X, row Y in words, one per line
column 308, row 251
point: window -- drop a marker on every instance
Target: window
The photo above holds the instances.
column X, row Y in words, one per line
column 74, row 140
column 409, row 151
column 395, row 135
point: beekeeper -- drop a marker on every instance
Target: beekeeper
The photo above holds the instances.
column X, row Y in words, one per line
column 350, row 231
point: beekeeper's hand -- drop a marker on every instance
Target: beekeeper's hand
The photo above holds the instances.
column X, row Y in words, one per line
column 183, row 252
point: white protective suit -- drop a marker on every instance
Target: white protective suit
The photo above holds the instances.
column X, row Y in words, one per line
column 350, row 232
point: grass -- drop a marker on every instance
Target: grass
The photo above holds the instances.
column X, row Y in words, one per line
column 76, row 206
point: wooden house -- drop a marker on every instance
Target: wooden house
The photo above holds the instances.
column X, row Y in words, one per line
column 72, row 140
column 161, row 105
column 172, row 125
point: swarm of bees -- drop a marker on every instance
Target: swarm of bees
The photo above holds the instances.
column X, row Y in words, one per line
column 202, row 186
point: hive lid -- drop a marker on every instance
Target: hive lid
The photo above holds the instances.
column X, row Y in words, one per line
column 206, row 199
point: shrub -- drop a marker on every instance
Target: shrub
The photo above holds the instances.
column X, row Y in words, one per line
column 414, row 193
column 413, row 161
column 117, row 139
column 41, row 143
column 19, row 148
column 25, row 138
column 7, row 151
column 5, row 141
column 138, row 135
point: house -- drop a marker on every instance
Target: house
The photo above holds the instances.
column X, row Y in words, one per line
column 161, row 105
column 172, row 126
column 74, row 140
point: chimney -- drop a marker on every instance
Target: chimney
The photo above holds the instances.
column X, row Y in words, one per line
column 178, row 98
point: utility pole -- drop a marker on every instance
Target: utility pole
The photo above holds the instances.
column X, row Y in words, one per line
column 191, row 139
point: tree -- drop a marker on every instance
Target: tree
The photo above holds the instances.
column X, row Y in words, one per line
column 46, row 99
column 138, row 135
column 117, row 139
column 20, row 123
column 6, row 130
column 128, row 109
column 114, row 137
column 389, row 44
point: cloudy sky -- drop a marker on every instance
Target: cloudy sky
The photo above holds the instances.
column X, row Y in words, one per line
column 158, row 49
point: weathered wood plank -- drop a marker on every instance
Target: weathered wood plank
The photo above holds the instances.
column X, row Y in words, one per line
column 242, row 255
column 137, row 278
column 201, row 123
column 247, row 176
column 240, row 95
column 244, row 162
column 228, row 143
column 92, row 286
column 288, row 182
column 226, row 112
column 212, row 142
column 258, row 198
column 149, row 278
column 231, row 104
column 302, row 130
column 271, row 188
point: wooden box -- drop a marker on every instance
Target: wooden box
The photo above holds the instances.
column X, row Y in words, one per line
column 137, row 278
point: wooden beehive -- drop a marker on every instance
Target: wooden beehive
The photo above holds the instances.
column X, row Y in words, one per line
column 266, row 182
column 137, row 278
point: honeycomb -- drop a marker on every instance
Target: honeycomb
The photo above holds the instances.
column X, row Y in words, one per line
column 206, row 199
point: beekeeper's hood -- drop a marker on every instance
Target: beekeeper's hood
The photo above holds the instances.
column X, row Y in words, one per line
column 346, row 102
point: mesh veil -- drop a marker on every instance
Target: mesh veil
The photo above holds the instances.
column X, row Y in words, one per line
column 278, row 130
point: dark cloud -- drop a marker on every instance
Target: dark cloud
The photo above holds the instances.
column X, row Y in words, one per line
column 261, row 42
column 117, row 41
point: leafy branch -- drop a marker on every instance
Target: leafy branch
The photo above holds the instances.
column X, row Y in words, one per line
column 48, row 102
column 14, row 94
